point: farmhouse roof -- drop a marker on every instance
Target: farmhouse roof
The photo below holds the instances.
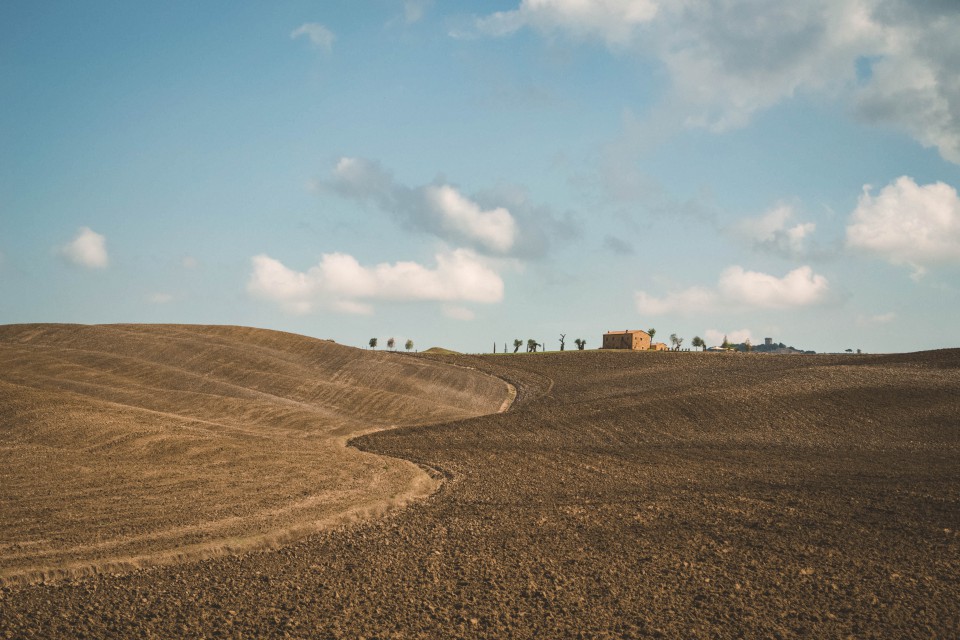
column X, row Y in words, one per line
column 626, row 332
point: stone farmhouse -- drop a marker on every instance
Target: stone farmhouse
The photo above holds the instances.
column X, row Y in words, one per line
column 633, row 340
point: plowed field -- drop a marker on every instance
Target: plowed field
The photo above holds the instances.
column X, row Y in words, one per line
column 624, row 495
column 123, row 446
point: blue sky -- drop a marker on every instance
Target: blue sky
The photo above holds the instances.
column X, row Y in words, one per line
column 467, row 173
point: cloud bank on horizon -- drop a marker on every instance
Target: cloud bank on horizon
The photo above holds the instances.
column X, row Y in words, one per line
column 740, row 168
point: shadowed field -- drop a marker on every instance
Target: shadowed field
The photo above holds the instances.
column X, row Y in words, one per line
column 624, row 495
column 126, row 444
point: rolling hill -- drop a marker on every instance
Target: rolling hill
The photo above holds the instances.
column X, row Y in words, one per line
column 125, row 445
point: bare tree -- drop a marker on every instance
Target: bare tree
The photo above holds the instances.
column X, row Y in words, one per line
column 676, row 341
column 562, row 343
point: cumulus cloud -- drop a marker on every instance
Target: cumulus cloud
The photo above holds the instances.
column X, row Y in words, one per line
column 437, row 208
column 729, row 60
column 687, row 300
column 908, row 224
column 365, row 179
column 341, row 283
column 738, row 288
column 319, row 36
column 539, row 227
column 611, row 20
column 799, row 288
column 500, row 224
column 914, row 84
column 87, row 249
column 776, row 232
column 495, row 229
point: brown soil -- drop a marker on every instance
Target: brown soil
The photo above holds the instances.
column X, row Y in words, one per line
column 624, row 495
column 122, row 446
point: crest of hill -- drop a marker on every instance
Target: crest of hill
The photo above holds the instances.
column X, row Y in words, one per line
column 440, row 351
column 123, row 445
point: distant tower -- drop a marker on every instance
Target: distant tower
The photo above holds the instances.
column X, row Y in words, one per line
column 768, row 342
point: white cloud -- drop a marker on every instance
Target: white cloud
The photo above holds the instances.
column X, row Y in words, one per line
column 444, row 211
column 715, row 338
column 360, row 177
column 341, row 283
column 456, row 312
column 908, row 224
column 799, row 288
column 319, row 35
column 914, row 83
column 741, row 289
column 728, row 60
column 495, row 228
column 687, row 300
column 611, row 20
column 775, row 232
column 797, row 234
column 87, row 249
